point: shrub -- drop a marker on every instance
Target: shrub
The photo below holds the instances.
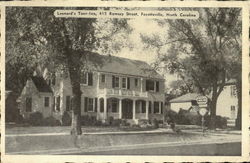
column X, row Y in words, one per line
column 87, row 120
column 155, row 123
column 51, row 121
column 116, row 122
column 124, row 122
column 66, row 119
column 110, row 120
column 36, row 119
column 220, row 122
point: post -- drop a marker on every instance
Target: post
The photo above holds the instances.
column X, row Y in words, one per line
column 146, row 109
column 133, row 109
column 202, row 124
column 120, row 108
column 98, row 109
column 141, row 84
column 105, row 108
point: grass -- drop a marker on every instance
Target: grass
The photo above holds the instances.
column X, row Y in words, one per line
column 66, row 129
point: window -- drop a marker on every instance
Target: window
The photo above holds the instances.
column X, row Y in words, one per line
column 58, row 103
column 143, row 107
column 136, row 82
column 101, row 105
column 115, row 82
column 149, row 107
column 46, row 101
column 28, row 104
column 90, row 104
column 103, row 78
column 86, row 78
column 156, row 107
column 68, row 103
column 233, row 112
column 124, row 83
column 150, row 85
column 114, row 105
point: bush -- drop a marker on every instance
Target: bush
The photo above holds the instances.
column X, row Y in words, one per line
column 220, row 122
column 110, row 120
column 66, row 119
column 36, row 119
column 155, row 123
column 87, row 120
column 51, row 121
column 116, row 122
column 184, row 117
column 124, row 122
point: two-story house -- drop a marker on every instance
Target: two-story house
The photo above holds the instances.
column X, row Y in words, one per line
column 118, row 87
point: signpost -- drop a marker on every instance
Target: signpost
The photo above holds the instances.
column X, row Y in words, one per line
column 202, row 102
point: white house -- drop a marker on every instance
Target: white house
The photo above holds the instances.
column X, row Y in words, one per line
column 118, row 87
column 227, row 102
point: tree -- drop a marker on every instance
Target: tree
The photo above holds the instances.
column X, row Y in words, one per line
column 36, row 37
column 204, row 50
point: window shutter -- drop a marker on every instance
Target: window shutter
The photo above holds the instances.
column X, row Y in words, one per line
column 157, row 86
column 113, row 81
column 95, row 104
column 86, row 104
column 161, row 107
column 128, row 83
column 90, row 78
column 149, row 107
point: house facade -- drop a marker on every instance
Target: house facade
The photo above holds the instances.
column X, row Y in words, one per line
column 119, row 88
column 227, row 102
column 36, row 96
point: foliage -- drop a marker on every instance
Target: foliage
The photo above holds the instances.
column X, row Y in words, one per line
column 51, row 121
column 66, row 119
column 36, row 38
column 36, row 119
column 203, row 50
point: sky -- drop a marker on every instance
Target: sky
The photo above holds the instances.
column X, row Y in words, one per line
column 145, row 27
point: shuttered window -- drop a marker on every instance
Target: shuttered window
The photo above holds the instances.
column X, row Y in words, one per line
column 90, row 79
column 68, row 101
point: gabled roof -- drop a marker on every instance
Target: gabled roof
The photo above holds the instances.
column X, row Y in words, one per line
column 185, row 98
column 41, row 84
column 119, row 65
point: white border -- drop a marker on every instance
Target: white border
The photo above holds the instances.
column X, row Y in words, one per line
column 137, row 159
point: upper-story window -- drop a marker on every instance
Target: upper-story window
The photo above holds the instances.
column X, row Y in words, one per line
column 136, row 82
column 86, row 78
column 124, row 83
column 103, row 78
column 115, row 82
column 152, row 85
column 46, row 101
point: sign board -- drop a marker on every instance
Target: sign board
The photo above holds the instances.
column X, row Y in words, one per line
column 203, row 111
column 202, row 100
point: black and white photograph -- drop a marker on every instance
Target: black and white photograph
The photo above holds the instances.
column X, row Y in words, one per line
column 118, row 81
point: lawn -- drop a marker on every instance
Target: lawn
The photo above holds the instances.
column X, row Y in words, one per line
column 66, row 129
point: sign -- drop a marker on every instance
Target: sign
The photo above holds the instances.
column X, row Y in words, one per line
column 202, row 100
column 203, row 111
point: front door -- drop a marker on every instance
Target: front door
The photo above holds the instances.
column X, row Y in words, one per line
column 127, row 109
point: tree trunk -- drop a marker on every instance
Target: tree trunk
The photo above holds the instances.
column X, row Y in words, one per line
column 212, row 123
column 239, row 113
column 74, row 73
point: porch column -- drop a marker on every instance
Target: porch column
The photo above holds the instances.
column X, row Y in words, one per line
column 141, row 84
column 134, row 109
column 120, row 108
column 98, row 109
column 105, row 108
column 146, row 117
